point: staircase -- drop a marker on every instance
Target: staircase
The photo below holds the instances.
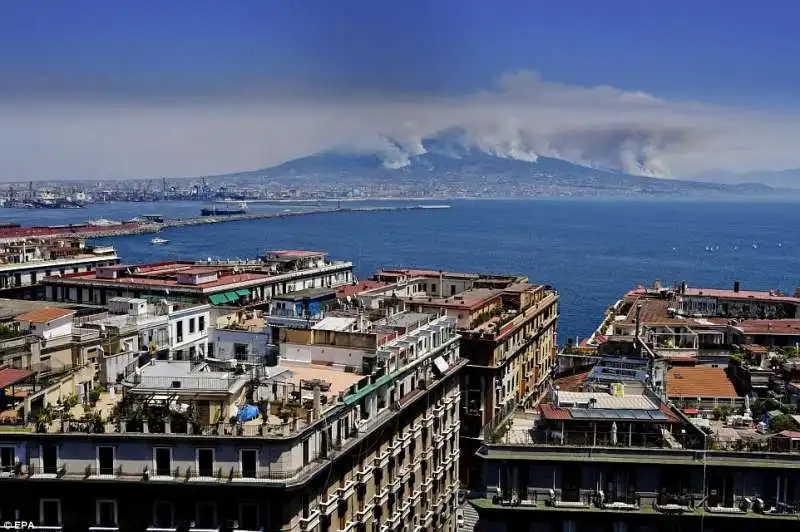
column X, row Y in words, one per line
column 471, row 518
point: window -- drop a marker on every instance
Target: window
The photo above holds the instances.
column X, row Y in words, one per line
column 106, row 513
column 248, row 516
column 49, row 512
column 105, row 460
column 240, row 351
column 191, row 326
column 162, row 456
column 205, row 462
column 201, row 323
column 206, row 515
column 163, row 515
column 249, row 463
column 6, row 459
column 49, row 459
column 179, row 331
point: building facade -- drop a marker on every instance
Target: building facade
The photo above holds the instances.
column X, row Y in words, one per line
column 316, row 443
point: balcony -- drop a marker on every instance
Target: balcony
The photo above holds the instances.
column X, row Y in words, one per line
column 381, row 497
column 93, row 473
column 364, row 475
column 47, row 472
column 382, row 459
column 396, row 447
column 328, row 505
column 427, row 518
column 364, row 512
column 193, row 475
column 311, row 522
column 349, row 526
column 395, row 521
column 346, row 491
column 395, row 484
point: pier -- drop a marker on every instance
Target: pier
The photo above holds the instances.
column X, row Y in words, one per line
column 104, row 231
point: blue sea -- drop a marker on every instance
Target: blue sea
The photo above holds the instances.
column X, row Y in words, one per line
column 592, row 251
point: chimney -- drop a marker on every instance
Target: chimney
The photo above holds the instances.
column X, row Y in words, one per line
column 317, row 401
column 736, row 286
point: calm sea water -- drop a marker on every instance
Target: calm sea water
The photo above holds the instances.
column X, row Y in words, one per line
column 592, row 251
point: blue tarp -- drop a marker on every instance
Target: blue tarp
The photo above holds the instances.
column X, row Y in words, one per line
column 247, row 412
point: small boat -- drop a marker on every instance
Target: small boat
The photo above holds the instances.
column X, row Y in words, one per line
column 157, row 241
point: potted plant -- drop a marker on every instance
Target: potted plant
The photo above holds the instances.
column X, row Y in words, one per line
column 94, row 396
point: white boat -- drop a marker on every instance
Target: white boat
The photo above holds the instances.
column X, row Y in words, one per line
column 156, row 241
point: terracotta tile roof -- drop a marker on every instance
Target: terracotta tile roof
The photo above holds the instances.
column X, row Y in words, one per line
column 44, row 315
column 362, row 286
column 549, row 411
column 699, row 381
column 791, row 327
column 794, row 434
column 758, row 295
column 9, row 376
column 571, row 383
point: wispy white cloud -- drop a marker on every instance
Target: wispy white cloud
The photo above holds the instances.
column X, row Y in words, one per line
column 523, row 117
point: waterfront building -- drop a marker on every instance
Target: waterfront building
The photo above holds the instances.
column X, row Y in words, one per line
column 355, row 428
column 220, row 283
column 24, row 263
column 508, row 329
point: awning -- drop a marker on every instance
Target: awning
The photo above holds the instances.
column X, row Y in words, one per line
column 218, row 299
column 232, row 297
column 243, row 292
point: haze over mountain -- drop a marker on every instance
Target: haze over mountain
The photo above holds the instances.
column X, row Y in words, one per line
column 453, row 160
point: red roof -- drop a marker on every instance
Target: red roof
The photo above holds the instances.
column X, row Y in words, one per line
column 791, row 327
column 741, row 294
column 296, row 253
column 699, row 381
column 549, row 411
column 45, row 315
column 793, row 434
column 10, row 376
column 691, row 411
column 354, row 289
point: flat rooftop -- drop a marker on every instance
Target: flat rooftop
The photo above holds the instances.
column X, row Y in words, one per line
column 606, row 400
column 468, row 299
column 307, row 293
column 297, row 373
column 409, row 319
column 335, row 323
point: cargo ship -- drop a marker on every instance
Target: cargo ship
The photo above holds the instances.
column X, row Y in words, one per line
column 224, row 208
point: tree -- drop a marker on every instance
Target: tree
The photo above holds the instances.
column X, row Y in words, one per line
column 782, row 422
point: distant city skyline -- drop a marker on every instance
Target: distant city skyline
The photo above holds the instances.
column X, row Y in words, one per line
column 95, row 90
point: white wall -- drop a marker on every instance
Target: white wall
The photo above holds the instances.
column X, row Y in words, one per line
column 54, row 329
column 336, row 355
column 224, row 340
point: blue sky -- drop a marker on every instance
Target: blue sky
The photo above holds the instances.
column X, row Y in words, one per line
column 732, row 55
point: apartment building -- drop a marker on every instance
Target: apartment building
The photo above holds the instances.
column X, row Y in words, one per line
column 220, row 283
column 356, row 428
column 133, row 328
column 24, row 263
column 508, row 329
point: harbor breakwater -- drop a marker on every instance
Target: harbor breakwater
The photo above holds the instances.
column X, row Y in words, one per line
column 101, row 231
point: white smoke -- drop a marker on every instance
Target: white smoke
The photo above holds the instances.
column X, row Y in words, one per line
column 523, row 118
